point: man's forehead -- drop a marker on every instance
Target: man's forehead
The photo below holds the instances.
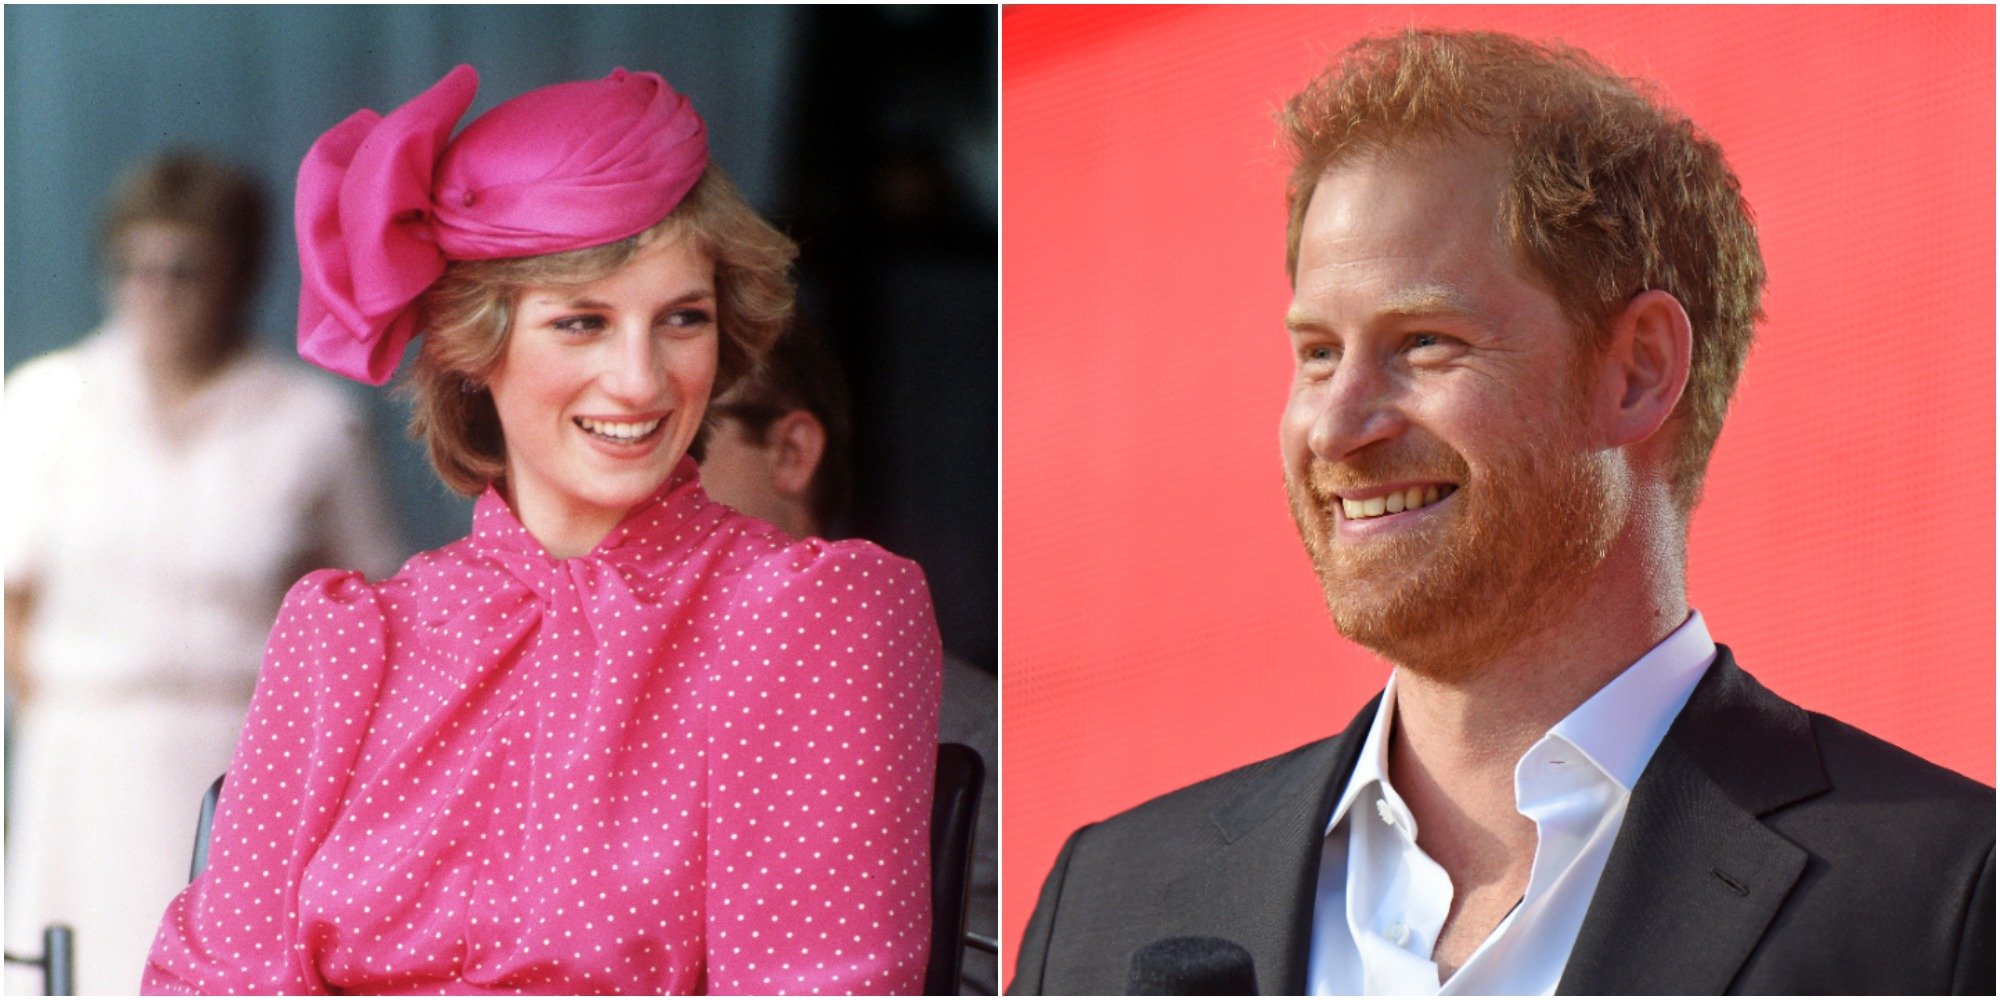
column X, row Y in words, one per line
column 1416, row 189
column 1413, row 231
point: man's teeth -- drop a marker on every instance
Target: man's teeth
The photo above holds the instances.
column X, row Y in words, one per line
column 1394, row 503
column 617, row 431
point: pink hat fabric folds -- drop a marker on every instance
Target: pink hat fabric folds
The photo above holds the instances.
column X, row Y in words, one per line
column 384, row 202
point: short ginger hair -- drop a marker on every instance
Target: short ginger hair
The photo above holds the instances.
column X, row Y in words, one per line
column 1610, row 191
column 466, row 313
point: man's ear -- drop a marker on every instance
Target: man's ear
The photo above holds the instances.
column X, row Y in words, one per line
column 1645, row 367
column 797, row 441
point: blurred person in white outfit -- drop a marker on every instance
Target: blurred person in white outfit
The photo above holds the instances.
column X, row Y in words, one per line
column 167, row 481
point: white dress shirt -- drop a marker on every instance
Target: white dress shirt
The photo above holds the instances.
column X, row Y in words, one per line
column 1382, row 901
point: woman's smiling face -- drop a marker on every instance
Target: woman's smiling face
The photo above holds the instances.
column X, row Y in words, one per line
column 601, row 389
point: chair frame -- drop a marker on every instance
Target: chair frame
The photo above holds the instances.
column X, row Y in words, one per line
column 57, row 961
column 961, row 776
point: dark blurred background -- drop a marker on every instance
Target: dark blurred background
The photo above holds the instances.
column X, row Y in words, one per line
column 869, row 134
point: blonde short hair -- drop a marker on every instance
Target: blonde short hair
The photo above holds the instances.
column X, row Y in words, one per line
column 466, row 313
column 1610, row 192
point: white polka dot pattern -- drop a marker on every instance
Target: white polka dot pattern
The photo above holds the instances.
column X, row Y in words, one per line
column 697, row 760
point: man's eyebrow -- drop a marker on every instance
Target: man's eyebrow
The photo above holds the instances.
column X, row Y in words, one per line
column 1416, row 301
column 1428, row 300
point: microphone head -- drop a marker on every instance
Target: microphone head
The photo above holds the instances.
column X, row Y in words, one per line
column 1192, row 966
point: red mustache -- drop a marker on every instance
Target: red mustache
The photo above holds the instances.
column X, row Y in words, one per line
column 1327, row 480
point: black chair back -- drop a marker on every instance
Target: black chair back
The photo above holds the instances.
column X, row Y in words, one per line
column 961, row 776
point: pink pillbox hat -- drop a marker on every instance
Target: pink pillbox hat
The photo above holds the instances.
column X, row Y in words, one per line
column 384, row 202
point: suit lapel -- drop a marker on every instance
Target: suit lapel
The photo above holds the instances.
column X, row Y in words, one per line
column 1256, row 888
column 1695, row 877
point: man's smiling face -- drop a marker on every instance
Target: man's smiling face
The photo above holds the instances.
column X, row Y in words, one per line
column 1438, row 445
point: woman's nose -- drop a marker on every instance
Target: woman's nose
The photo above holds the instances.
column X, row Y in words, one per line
column 636, row 368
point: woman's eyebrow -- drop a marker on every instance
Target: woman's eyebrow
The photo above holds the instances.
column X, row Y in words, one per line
column 585, row 302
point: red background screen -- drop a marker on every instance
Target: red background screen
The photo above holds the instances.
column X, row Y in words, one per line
column 1162, row 623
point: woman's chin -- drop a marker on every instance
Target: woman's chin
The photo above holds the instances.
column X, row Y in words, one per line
column 626, row 488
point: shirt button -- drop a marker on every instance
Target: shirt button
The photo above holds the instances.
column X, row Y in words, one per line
column 1399, row 934
column 1382, row 809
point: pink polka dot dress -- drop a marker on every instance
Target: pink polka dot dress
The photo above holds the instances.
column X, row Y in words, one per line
column 696, row 760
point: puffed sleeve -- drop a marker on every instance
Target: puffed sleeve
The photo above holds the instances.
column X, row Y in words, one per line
column 237, row 928
column 822, row 743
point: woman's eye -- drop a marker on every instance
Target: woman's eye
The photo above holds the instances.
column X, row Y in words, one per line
column 579, row 324
column 690, row 319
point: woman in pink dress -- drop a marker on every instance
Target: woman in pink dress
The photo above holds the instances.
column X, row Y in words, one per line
column 620, row 739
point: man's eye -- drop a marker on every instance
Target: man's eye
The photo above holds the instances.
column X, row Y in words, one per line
column 1318, row 354
column 1425, row 340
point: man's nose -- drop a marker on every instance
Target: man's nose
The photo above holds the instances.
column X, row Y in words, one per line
column 1362, row 406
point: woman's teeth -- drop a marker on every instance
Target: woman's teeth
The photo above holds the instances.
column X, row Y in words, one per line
column 621, row 433
column 1395, row 503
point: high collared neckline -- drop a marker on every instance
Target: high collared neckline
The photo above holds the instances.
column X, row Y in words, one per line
column 495, row 525
column 1618, row 728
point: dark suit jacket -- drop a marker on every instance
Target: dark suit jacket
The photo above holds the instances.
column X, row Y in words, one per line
column 1766, row 849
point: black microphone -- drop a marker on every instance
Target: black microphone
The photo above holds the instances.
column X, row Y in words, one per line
column 1191, row 967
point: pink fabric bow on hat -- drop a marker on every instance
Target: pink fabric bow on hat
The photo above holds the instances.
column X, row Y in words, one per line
column 384, row 202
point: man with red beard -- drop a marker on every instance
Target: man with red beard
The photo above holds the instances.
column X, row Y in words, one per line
column 1522, row 294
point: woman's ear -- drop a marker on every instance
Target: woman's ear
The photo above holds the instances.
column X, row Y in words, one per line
column 1645, row 366
column 797, row 442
